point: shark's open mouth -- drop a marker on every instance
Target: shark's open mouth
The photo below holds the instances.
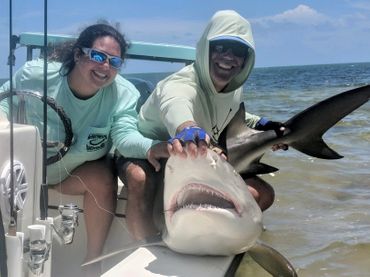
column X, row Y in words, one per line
column 202, row 197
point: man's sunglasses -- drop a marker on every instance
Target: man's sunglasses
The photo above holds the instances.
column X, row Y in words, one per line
column 222, row 46
column 100, row 57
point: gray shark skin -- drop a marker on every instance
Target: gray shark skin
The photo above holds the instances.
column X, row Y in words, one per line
column 303, row 132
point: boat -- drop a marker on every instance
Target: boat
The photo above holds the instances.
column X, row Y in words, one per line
column 55, row 245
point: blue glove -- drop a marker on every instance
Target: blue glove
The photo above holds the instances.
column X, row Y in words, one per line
column 264, row 125
column 190, row 134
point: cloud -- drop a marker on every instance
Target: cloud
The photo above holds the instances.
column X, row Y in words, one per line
column 305, row 36
column 301, row 15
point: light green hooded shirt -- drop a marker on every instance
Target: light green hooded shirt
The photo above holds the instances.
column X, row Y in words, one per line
column 189, row 94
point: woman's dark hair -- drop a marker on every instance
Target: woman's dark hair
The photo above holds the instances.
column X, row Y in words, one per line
column 86, row 39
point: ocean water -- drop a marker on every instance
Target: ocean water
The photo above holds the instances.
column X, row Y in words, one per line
column 321, row 216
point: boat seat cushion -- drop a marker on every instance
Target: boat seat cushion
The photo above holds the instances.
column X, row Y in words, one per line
column 145, row 88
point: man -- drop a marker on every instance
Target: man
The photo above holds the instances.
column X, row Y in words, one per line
column 193, row 106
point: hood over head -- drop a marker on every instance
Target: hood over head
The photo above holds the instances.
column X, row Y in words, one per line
column 225, row 24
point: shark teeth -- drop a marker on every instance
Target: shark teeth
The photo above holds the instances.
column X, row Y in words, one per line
column 200, row 196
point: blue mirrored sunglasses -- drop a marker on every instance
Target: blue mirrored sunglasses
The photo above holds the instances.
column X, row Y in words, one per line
column 100, row 57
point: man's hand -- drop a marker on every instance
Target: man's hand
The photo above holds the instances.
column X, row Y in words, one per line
column 155, row 153
column 191, row 140
column 264, row 125
column 279, row 146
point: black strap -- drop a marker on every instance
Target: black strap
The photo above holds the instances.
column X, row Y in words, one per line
column 234, row 265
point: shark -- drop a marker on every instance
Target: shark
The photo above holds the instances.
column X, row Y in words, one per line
column 207, row 209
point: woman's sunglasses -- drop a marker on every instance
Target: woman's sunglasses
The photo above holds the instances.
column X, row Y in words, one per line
column 100, row 57
column 222, row 46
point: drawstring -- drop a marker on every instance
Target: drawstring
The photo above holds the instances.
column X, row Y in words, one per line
column 216, row 130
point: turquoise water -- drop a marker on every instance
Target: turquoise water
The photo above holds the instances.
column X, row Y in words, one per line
column 321, row 216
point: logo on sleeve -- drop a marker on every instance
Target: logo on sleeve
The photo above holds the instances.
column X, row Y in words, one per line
column 96, row 142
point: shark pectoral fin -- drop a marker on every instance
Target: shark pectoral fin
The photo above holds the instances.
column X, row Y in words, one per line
column 271, row 260
column 316, row 148
column 152, row 241
column 256, row 167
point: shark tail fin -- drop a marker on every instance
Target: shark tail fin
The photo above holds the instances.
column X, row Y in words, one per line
column 311, row 124
column 272, row 261
column 316, row 148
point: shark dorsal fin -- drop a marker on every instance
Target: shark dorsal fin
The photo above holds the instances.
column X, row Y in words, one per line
column 237, row 125
column 236, row 134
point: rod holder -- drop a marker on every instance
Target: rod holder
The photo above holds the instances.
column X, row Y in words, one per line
column 68, row 223
column 39, row 249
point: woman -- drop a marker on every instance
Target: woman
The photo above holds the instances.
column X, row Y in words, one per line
column 101, row 105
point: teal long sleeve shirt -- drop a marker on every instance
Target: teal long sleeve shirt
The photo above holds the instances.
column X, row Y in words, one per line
column 107, row 119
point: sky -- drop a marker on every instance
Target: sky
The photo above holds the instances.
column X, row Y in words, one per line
column 286, row 32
